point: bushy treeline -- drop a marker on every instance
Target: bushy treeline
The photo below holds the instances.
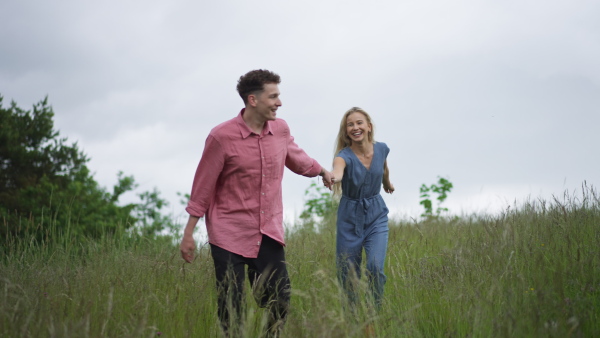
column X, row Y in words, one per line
column 45, row 183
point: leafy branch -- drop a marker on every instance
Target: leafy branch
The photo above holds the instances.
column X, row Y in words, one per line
column 442, row 188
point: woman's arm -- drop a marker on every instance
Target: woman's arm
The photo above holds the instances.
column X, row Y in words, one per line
column 387, row 185
column 338, row 169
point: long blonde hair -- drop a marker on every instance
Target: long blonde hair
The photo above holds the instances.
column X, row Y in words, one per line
column 343, row 140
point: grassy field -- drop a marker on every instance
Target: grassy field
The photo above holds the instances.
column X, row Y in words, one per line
column 532, row 271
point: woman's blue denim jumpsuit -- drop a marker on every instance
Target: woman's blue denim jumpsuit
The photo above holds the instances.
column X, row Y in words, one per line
column 362, row 222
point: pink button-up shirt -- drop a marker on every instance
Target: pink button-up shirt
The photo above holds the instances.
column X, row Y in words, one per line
column 237, row 185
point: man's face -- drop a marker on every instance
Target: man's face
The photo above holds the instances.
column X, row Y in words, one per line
column 267, row 101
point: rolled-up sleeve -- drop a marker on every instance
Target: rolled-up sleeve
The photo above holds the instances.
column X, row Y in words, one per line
column 205, row 180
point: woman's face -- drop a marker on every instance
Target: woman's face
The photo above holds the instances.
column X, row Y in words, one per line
column 357, row 127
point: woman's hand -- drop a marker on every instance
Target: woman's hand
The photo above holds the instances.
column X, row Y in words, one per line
column 389, row 187
column 327, row 178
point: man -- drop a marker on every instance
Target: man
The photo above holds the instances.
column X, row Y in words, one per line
column 237, row 187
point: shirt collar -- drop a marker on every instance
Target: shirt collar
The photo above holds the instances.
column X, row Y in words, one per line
column 246, row 131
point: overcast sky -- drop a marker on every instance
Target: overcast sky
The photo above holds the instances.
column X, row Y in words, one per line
column 501, row 97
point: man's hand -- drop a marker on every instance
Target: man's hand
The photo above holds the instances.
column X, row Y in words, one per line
column 187, row 247
column 328, row 178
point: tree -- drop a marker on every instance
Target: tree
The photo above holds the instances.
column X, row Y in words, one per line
column 148, row 213
column 45, row 183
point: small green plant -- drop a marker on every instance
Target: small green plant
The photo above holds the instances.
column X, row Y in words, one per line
column 319, row 209
column 318, row 203
column 442, row 188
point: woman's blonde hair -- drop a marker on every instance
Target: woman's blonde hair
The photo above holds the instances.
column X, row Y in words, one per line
column 343, row 140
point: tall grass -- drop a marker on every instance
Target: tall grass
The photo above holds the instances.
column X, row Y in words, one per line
column 533, row 270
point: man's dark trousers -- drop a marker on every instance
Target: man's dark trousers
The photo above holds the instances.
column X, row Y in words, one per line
column 268, row 278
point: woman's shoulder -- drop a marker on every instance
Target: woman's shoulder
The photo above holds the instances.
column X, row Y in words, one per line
column 344, row 153
column 381, row 145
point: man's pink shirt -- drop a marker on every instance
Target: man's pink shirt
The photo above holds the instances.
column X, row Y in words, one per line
column 237, row 186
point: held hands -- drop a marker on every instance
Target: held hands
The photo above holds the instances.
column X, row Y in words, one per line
column 328, row 178
column 187, row 247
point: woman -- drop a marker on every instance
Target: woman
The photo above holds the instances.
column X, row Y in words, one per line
column 361, row 167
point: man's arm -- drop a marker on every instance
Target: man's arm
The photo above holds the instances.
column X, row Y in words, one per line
column 299, row 162
column 205, row 180
column 188, row 245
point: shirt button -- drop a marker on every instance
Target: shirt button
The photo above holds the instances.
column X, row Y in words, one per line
column 258, row 243
column 262, row 193
column 263, row 175
column 262, row 212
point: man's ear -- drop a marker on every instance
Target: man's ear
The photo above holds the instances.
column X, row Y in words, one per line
column 252, row 100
